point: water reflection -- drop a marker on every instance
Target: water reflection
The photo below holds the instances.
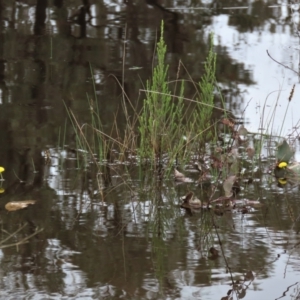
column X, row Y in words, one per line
column 118, row 231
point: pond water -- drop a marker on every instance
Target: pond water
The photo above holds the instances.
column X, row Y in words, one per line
column 119, row 232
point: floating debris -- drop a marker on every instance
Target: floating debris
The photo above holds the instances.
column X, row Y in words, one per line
column 17, row 205
column 214, row 253
column 190, row 201
column 179, row 177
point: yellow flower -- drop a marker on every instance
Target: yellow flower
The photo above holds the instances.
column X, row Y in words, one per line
column 282, row 165
column 2, row 190
column 282, row 181
column 2, row 169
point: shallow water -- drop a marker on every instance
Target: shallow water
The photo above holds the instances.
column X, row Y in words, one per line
column 119, row 232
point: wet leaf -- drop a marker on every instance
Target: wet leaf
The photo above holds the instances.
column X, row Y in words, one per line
column 226, row 298
column 228, row 122
column 250, row 152
column 216, row 162
column 253, row 203
column 190, row 201
column 187, row 197
column 16, row 205
column 214, row 253
column 234, row 153
column 179, row 177
column 198, row 167
column 244, row 210
column 242, row 131
column 249, row 276
column 284, row 152
column 177, row 174
column 228, row 184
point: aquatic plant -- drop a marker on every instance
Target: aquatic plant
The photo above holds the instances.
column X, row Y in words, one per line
column 165, row 126
column 160, row 123
column 202, row 114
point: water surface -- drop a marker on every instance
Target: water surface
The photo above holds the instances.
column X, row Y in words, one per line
column 120, row 232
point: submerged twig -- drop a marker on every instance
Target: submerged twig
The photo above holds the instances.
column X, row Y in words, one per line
column 22, row 241
column 282, row 63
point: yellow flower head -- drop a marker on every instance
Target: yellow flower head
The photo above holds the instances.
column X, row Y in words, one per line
column 282, row 181
column 282, row 165
column 2, row 169
column 2, row 190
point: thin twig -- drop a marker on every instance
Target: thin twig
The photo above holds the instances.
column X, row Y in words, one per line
column 23, row 241
column 282, row 63
column 187, row 99
column 10, row 234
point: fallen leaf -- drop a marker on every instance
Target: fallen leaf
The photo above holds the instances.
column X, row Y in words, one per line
column 187, row 197
column 179, row 177
column 190, row 201
column 249, row 276
column 16, row 205
column 242, row 132
column 228, row 122
column 214, row 253
column 253, row 203
column 250, row 152
column 228, row 184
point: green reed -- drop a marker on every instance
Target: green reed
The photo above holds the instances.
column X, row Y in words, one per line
column 202, row 114
column 160, row 122
column 169, row 128
column 165, row 126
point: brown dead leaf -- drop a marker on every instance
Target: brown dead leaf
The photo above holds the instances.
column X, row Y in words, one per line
column 228, row 122
column 179, row 177
column 249, row 276
column 16, row 205
column 250, row 152
column 253, row 203
column 190, row 201
column 228, row 184
column 242, row 131
column 187, row 197
column 214, row 253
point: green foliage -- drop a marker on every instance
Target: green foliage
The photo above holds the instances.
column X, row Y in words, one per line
column 202, row 116
column 284, row 152
column 165, row 127
column 160, row 123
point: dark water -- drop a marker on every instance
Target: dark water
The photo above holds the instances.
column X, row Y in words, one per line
column 120, row 233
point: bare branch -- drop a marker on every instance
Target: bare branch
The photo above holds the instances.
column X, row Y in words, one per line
column 282, row 64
